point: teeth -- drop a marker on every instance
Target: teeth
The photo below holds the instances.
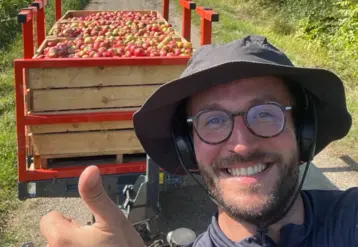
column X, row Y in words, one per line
column 247, row 171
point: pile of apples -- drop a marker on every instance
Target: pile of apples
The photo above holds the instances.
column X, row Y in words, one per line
column 117, row 16
column 109, row 29
column 101, row 46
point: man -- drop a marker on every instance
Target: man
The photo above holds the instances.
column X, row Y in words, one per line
column 245, row 118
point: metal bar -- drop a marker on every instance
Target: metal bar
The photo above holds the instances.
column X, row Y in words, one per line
column 78, row 118
column 205, row 32
column 187, row 6
column 71, row 172
column 207, row 13
column 40, row 21
column 207, row 17
column 165, row 9
column 68, row 187
column 20, row 122
column 186, row 17
column 25, row 17
column 58, row 9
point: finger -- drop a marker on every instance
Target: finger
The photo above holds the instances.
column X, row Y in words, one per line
column 56, row 228
column 93, row 194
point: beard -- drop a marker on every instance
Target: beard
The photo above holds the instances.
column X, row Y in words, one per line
column 276, row 201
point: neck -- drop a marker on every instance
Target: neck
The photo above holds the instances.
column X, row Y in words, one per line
column 237, row 230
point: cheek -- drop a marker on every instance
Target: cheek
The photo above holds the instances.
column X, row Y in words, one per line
column 286, row 142
column 205, row 153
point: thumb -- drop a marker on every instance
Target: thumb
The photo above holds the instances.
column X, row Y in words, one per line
column 93, row 194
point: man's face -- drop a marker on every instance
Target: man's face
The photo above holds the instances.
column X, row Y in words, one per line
column 258, row 197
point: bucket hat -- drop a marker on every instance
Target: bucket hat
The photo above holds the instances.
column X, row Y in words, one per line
column 214, row 64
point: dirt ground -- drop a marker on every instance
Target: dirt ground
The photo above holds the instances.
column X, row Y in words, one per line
column 181, row 206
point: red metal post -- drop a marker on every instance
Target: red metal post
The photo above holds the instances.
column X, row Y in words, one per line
column 20, row 122
column 165, row 9
column 58, row 10
column 40, row 20
column 25, row 18
column 207, row 17
column 187, row 6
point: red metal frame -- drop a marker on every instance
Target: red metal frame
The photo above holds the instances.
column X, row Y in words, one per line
column 58, row 9
column 165, row 9
column 25, row 17
column 187, row 6
column 40, row 20
column 207, row 17
column 24, row 119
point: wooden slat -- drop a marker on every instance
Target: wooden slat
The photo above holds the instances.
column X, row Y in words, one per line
column 75, row 127
column 90, row 98
column 41, row 78
column 98, row 142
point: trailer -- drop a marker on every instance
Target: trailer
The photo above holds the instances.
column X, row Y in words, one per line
column 76, row 90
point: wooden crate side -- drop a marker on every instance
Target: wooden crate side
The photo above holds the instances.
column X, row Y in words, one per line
column 77, row 127
column 80, row 13
column 90, row 98
column 44, row 43
column 90, row 143
column 42, row 78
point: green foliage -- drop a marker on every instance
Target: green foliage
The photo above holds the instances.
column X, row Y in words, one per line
column 338, row 31
column 8, row 20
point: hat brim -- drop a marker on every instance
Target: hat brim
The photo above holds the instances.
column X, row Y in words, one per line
column 152, row 122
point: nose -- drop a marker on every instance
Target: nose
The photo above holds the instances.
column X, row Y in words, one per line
column 242, row 140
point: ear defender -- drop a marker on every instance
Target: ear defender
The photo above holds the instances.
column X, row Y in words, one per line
column 307, row 129
column 183, row 139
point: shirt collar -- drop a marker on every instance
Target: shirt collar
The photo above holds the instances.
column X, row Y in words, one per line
column 290, row 235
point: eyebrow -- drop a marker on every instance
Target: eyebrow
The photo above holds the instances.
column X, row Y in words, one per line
column 261, row 99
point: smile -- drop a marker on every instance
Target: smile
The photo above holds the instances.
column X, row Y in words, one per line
column 247, row 171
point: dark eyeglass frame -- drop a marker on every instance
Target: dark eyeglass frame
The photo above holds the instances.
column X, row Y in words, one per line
column 191, row 120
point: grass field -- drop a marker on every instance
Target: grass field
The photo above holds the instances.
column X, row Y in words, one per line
column 239, row 18
column 8, row 174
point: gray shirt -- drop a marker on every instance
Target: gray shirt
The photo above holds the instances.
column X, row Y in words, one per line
column 331, row 220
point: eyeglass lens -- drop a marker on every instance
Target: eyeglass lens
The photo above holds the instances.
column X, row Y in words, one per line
column 263, row 120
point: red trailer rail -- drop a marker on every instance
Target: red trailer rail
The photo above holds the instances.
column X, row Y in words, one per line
column 208, row 16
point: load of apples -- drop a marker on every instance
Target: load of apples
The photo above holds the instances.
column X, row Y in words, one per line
column 101, row 46
column 108, row 29
column 117, row 16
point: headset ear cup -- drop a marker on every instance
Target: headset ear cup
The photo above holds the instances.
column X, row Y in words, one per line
column 307, row 131
column 183, row 141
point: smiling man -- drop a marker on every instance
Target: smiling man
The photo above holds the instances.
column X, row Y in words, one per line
column 245, row 118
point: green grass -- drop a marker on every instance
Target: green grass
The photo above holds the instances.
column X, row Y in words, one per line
column 239, row 18
column 8, row 174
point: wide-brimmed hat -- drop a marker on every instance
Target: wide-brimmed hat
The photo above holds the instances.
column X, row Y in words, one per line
column 215, row 64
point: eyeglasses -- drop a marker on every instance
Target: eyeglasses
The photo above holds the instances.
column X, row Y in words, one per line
column 263, row 120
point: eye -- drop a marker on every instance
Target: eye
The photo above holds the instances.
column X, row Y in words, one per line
column 265, row 114
column 216, row 120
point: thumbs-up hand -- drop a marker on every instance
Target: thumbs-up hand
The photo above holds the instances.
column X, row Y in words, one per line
column 111, row 228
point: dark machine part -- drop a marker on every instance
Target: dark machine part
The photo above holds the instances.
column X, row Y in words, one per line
column 141, row 206
column 137, row 196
